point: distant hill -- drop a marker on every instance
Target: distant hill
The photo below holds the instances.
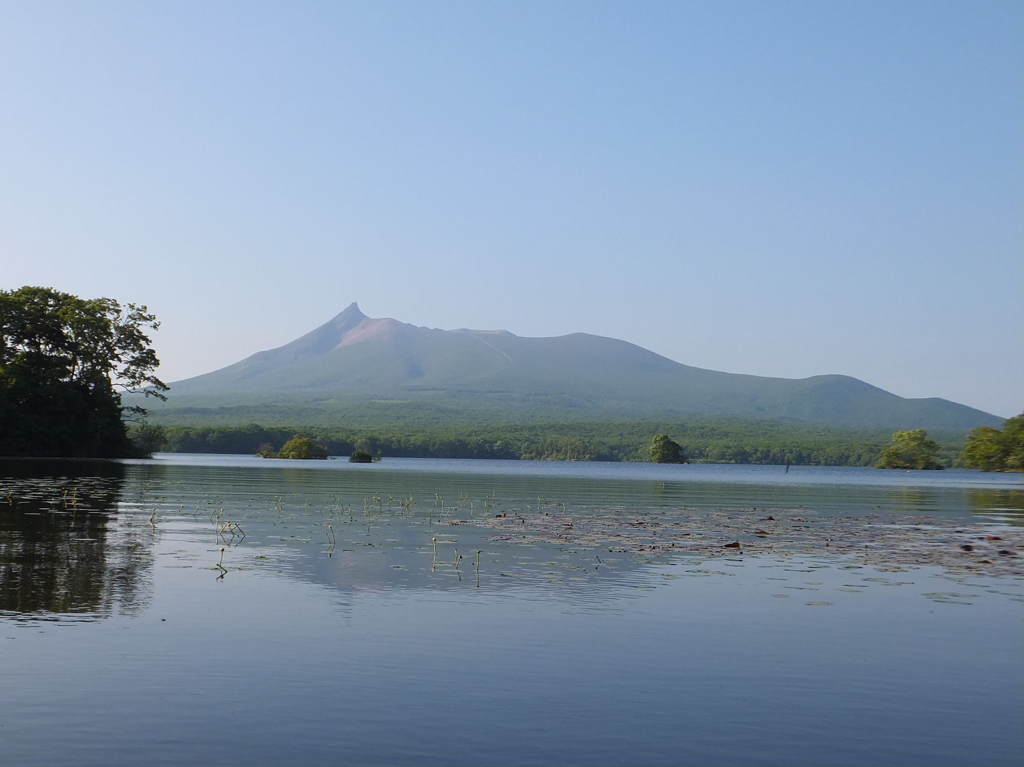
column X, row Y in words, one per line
column 357, row 367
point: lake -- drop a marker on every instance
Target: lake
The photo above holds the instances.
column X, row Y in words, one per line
column 228, row 610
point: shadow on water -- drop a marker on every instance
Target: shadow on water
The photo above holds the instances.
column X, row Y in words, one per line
column 62, row 549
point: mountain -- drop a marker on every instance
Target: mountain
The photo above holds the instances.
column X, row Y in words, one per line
column 356, row 366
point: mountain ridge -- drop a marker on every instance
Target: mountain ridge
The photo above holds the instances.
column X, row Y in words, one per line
column 354, row 358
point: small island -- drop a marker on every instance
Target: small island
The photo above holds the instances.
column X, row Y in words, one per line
column 910, row 449
column 300, row 448
column 297, row 448
column 666, row 450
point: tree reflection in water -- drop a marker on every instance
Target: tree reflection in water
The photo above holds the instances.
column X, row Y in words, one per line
column 1002, row 502
column 63, row 549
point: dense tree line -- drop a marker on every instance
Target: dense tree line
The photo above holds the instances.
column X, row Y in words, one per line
column 722, row 442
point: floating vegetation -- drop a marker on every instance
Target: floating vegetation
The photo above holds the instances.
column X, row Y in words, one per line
column 868, row 539
column 404, row 533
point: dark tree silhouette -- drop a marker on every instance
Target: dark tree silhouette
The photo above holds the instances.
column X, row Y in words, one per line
column 64, row 363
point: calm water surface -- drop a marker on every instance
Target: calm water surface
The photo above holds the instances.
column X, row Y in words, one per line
column 224, row 610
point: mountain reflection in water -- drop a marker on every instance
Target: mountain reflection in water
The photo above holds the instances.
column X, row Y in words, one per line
column 80, row 539
column 247, row 612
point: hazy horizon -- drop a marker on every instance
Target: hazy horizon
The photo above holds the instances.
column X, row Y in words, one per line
column 785, row 190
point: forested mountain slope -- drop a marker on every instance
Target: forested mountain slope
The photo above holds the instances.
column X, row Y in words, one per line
column 356, row 366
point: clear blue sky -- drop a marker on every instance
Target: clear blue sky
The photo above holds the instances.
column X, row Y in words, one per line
column 779, row 188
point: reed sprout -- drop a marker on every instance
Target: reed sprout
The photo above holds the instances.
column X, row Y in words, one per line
column 331, row 538
column 220, row 565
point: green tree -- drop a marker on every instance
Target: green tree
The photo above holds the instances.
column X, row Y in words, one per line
column 664, row 450
column 990, row 449
column 65, row 361
column 1014, row 431
column 910, row 450
column 266, row 450
column 147, row 438
column 302, row 448
column 986, row 449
